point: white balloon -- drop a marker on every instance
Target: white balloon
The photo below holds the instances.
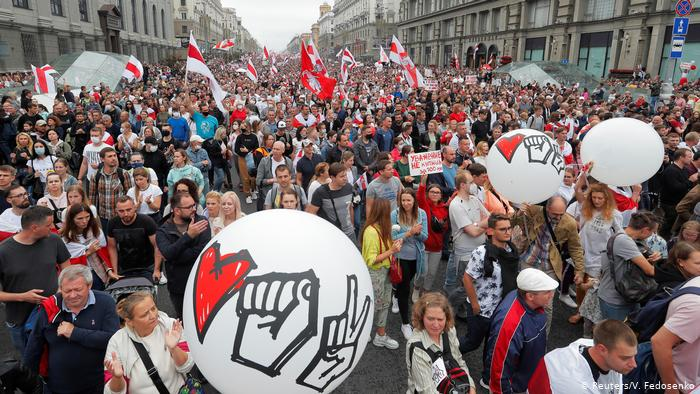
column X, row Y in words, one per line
column 525, row 166
column 276, row 299
column 624, row 151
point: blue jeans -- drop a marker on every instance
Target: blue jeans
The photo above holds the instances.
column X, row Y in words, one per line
column 219, row 176
column 616, row 312
column 450, row 273
column 19, row 333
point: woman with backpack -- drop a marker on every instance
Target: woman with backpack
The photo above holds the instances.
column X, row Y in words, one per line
column 434, row 337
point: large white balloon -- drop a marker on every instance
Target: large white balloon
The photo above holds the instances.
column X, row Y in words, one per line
column 525, row 166
column 624, row 151
column 279, row 302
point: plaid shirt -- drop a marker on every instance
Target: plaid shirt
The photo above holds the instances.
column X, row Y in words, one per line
column 105, row 193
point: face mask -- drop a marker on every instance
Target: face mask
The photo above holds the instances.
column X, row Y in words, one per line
column 205, row 113
column 235, row 127
column 195, row 148
column 39, row 151
column 176, row 115
column 165, row 133
column 136, row 165
column 153, row 148
column 121, row 130
column 95, row 140
column 108, row 107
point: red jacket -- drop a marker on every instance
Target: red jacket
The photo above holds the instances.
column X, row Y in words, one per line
column 440, row 211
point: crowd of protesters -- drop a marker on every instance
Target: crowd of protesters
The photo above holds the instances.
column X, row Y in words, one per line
column 133, row 183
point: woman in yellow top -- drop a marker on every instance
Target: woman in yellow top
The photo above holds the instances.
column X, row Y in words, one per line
column 377, row 248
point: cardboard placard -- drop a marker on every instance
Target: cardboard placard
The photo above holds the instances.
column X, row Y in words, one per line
column 425, row 163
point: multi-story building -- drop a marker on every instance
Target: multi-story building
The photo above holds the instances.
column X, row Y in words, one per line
column 596, row 35
column 38, row 31
column 325, row 30
column 363, row 25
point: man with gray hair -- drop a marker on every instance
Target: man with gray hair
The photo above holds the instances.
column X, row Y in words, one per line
column 73, row 326
column 265, row 177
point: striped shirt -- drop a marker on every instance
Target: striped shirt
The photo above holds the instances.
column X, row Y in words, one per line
column 106, row 192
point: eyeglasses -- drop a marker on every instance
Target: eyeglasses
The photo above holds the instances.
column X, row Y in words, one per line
column 435, row 192
column 505, row 229
column 188, row 207
column 23, row 195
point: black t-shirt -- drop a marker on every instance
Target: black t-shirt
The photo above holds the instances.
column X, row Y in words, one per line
column 27, row 267
column 306, row 168
column 134, row 249
column 595, row 370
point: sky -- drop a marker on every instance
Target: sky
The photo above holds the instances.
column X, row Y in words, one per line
column 274, row 22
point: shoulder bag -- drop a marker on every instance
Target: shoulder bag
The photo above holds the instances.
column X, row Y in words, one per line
column 191, row 386
column 395, row 271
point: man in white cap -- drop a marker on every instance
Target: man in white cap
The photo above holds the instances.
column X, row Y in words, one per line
column 518, row 337
column 199, row 158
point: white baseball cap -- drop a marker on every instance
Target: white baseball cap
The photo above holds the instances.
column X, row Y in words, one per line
column 532, row 279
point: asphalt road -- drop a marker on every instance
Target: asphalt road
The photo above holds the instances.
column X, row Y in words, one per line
column 381, row 370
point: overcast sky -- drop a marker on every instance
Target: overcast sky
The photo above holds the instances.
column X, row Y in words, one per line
column 274, row 22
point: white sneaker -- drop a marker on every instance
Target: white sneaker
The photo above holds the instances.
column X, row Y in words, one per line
column 572, row 291
column 483, row 384
column 254, row 195
column 248, row 200
column 407, row 331
column 163, row 280
column 394, row 305
column 566, row 299
column 385, row 341
column 415, row 295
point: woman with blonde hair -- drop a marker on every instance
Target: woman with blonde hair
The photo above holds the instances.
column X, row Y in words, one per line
column 481, row 151
column 377, row 249
column 434, row 333
column 151, row 332
column 689, row 232
column 146, row 195
column 229, row 212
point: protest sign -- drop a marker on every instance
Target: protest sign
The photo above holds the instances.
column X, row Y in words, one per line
column 431, row 85
column 425, row 163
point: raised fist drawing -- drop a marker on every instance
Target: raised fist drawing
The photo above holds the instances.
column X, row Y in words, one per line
column 557, row 159
column 539, row 149
column 278, row 314
column 339, row 340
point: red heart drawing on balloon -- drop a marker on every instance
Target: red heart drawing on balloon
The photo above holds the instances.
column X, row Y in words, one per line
column 508, row 145
column 218, row 279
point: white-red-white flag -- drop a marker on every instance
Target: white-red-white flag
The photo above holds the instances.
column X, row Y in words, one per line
column 362, row 181
column 49, row 69
column 225, row 45
column 195, row 63
column 348, row 58
column 133, row 69
column 315, row 57
column 313, row 77
column 344, row 72
column 383, row 58
column 266, row 54
column 251, row 72
column 43, row 80
column 410, row 71
column 274, row 70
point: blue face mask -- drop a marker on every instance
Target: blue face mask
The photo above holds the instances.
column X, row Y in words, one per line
column 136, row 165
column 39, row 151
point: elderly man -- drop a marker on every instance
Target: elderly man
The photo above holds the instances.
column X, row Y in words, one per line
column 73, row 327
column 265, row 177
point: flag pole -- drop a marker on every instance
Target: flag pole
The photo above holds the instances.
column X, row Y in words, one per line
column 188, row 46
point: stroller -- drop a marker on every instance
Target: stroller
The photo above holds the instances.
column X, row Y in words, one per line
column 125, row 286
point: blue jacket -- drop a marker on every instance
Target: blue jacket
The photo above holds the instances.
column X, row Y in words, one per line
column 416, row 241
column 197, row 158
column 517, row 341
column 385, row 139
column 74, row 364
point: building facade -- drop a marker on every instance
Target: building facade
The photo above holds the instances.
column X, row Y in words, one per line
column 596, row 35
column 38, row 31
column 363, row 25
column 325, row 31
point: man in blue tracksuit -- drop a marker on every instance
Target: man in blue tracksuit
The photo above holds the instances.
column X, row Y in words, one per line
column 518, row 336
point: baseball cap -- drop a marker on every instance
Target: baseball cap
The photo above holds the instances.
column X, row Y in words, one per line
column 281, row 124
column 40, row 123
column 196, row 138
column 531, row 279
column 306, row 142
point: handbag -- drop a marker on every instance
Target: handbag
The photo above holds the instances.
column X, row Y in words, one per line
column 395, row 271
column 191, row 385
column 633, row 284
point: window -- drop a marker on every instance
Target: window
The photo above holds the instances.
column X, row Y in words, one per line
column 594, row 53
column 599, row 9
column 184, row 29
column 183, row 15
column 121, row 13
column 82, row 8
column 56, row 7
column 162, row 23
column 183, row 3
column 447, row 29
column 133, row 16
column 538, row 13
column 21, row 3
column 145, row 17
column 472, row 24
column 89, row 45
column 155, row 22
column 63, row 45
column 534, row 49
column 29, row 49
column 483, row 21
column 496, row 19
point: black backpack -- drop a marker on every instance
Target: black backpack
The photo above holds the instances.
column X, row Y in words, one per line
column 457, row 379
column 647, row 321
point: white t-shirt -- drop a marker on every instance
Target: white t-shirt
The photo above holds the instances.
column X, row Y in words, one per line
column 92, row 155
column 682, row 319
column 466, row 213
column 152, row 191
column 42, row 166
